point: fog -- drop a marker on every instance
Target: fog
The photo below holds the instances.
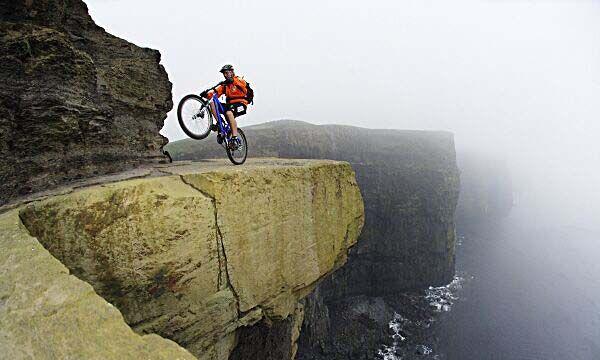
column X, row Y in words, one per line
column 516, row 79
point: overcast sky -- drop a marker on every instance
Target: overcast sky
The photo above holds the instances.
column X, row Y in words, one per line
column 519, row 77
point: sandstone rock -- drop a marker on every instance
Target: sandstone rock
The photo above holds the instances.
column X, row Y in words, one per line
column 45, row 313
column 75, row 101
column 193, row 255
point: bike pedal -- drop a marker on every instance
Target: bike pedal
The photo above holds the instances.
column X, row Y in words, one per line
column 232, row 145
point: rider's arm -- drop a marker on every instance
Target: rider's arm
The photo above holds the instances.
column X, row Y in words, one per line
column 218, row 90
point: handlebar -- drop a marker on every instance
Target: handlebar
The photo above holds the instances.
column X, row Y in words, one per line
column 204, row 94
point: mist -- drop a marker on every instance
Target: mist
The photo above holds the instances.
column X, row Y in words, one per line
column 518, row 80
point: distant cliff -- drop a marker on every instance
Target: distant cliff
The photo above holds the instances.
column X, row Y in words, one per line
column 409, row 181
column 486, row 189
column 213, row 257
column 75, row 101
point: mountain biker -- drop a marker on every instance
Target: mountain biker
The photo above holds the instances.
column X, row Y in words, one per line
column 238, row 94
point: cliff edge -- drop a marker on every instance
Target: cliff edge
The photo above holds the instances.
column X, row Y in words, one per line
column 410, row 184
column 207, row 256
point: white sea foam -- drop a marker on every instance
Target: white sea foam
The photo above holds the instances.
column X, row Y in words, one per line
column 442, row 298
column 424, row 350
column 396, row 324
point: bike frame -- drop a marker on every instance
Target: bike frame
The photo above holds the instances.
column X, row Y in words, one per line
column 224, row 127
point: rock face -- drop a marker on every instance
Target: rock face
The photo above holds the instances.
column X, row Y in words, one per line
column 45, row 313
column 410, row 183
column 207, row 255
column 75, row 101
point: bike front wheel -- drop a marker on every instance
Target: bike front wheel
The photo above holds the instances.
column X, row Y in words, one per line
column 238, row 156
column 195, row 117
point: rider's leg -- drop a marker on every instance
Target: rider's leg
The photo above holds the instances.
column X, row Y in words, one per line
column 232, row 122
column 212, row 108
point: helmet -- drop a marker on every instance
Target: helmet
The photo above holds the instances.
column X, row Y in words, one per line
column 226, row 67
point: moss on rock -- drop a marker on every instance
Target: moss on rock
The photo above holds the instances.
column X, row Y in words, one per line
column 192, row 255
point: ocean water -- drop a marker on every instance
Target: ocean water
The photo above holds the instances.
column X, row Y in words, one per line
column 524, row 290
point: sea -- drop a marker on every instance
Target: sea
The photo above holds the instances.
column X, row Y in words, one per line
column 523, row 290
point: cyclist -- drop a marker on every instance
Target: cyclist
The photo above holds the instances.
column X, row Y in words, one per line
column 238, row 95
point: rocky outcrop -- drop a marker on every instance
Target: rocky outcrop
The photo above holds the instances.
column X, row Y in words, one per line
column 409, row 181
column 75, row 101
column 215, row 258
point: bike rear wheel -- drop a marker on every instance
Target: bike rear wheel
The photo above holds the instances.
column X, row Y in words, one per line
column 238, row 157
column 195, row 117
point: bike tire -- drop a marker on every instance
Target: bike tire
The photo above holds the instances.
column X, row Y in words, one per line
column 243, row 152
column 205, row 122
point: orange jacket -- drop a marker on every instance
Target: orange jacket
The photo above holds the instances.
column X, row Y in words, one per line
column 235, row 92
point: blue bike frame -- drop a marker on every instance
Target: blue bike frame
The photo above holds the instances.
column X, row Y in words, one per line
column 224, row 127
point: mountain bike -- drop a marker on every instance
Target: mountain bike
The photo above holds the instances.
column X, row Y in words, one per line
column 197, row 121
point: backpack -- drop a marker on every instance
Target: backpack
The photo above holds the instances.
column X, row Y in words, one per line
column 249, row 93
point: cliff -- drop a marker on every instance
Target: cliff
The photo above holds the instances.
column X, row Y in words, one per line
column 486, row 189
column 410, row 183
column 75, row 101
column 212, row 258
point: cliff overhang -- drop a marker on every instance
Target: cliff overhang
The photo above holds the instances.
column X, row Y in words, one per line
column 192, row 253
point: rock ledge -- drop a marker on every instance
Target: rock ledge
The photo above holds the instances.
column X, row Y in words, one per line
column 192, row 252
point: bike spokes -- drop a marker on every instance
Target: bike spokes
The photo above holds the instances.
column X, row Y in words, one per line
column 238, row 155
column 194, row 117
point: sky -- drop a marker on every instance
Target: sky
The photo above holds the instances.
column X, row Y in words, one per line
column 519, row 78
